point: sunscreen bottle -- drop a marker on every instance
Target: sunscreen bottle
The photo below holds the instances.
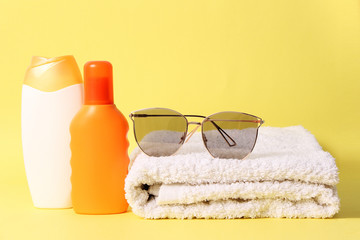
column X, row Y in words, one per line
column 99, row 146
column 51, row 96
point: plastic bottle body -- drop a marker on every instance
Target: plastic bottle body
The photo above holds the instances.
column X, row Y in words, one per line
column 99, row 160
column 45, row 120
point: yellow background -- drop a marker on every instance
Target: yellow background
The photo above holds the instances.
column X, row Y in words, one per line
column 289, row 62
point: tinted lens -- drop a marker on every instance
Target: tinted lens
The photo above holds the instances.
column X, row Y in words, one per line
column 230, row 134
column 159, row 131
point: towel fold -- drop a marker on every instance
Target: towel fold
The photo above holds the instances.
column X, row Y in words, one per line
column 287, row 175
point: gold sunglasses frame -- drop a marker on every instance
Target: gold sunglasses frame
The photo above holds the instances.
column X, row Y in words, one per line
column 187, row 135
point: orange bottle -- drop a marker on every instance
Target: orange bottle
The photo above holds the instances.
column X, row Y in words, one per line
column 99, row 146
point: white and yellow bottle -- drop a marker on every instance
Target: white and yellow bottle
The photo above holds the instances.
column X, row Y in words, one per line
column 52, row 94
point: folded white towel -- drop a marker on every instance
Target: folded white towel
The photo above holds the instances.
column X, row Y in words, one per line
column 287, row 175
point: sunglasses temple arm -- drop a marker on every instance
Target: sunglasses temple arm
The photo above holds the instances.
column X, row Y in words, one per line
column 222, row 132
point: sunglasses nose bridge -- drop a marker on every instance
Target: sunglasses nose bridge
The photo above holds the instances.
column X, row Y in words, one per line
column 195, row 123
column 189, row 135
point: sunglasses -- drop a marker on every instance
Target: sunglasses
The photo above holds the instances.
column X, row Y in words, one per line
column 161, row 132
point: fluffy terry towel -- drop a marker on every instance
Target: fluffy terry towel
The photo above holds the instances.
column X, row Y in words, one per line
column 287, row 175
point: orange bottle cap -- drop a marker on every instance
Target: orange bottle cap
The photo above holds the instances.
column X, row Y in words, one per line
column 98, row 83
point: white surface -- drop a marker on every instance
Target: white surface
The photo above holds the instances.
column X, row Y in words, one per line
column 45, row 121
column 287, row 175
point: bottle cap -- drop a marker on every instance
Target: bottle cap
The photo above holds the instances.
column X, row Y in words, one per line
column 98, row 83
column 52, row 74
